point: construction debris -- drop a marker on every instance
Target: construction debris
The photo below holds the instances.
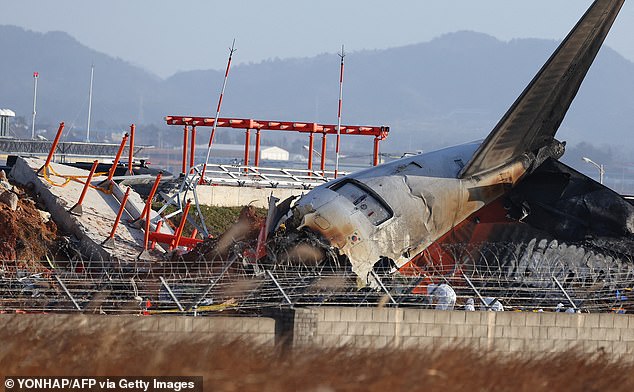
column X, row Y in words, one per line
column 242, row 233
column 60, row 189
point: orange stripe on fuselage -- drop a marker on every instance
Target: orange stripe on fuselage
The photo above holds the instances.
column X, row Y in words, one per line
column 440, row 257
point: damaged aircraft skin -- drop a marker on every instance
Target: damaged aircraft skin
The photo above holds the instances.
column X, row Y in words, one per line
column 395, row 213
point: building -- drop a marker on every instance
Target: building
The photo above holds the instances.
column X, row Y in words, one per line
column 274, row 154
column 5, row 115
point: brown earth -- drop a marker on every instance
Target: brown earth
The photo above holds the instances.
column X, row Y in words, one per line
column 23, row 234
column 238, row 366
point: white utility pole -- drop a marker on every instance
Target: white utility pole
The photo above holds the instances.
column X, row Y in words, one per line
column 337, row 147
column 36, row 75
column 92, row 73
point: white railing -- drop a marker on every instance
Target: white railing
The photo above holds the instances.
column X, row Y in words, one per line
column 269, row 177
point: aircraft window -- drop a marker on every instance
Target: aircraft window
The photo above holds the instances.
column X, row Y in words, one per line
column 374, row 209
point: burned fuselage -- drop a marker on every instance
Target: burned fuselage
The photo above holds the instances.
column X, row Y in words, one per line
column 395, row 211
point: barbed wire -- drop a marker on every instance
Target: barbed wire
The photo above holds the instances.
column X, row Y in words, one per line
column 532, row 276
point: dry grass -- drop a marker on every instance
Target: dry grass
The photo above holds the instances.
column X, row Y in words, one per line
column 238, row 366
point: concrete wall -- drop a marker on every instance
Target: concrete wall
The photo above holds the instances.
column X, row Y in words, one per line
column 259, row 330
column 238, row 196
column 498, row 331
column 507, row 332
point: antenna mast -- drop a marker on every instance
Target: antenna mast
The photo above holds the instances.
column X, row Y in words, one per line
column 36, row 75
column 92, row 72
column 342, row 55
column 222, row 92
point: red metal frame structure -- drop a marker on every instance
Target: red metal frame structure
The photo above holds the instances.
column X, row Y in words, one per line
column 190, row 122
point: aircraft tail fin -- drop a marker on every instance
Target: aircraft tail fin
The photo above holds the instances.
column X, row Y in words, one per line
column 533, row 120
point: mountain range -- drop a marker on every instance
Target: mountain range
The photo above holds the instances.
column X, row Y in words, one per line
column 446, row 91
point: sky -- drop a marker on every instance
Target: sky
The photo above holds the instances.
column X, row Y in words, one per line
column 167, row 36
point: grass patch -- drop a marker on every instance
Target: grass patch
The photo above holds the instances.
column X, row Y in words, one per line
column 217, row 219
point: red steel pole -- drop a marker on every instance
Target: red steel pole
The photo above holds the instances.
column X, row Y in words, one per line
column 77, row 209
column 311, row 146
column 323, row 154
column 193, row 237
column 257, row 148
column 158, row 230
column 148, row 209
column 88, row 180
column 184, row 163
column 179, row 231
column 54, row 146
column 375, row 160
column 192, row 152
column 119, row 214
column 131, row 152
column 117, row 157
column 247, row 144
column 151, row 195
column 146, row 234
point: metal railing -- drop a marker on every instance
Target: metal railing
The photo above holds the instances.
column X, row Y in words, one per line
column 64, row 149
column 269, row 177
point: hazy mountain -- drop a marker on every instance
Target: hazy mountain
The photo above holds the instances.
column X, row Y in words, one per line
column 450, row 90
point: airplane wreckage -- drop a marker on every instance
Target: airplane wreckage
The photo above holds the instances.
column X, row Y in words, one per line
column 405, row 216
column 498, row 219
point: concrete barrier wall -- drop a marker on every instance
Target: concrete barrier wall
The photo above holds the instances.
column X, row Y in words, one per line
column 507, row 332
column 259, row 330
column 497, row 331
column 239, row 196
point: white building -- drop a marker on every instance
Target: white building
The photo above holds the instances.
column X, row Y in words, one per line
column 274, row 154
column 5, row 114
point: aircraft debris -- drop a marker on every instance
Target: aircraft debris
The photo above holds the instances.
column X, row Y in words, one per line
column 397, row 213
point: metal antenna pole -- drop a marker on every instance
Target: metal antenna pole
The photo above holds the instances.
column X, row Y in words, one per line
column 487, row 306
column 342, row 55
column 222, row 92
column 378, row 280
column 36, row 75
column 67, row 292
column 171, row 293
column 280, row 288
column 574, row 306
column 92, row 72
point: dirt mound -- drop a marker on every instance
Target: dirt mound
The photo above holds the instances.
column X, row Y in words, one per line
column 25, row 234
